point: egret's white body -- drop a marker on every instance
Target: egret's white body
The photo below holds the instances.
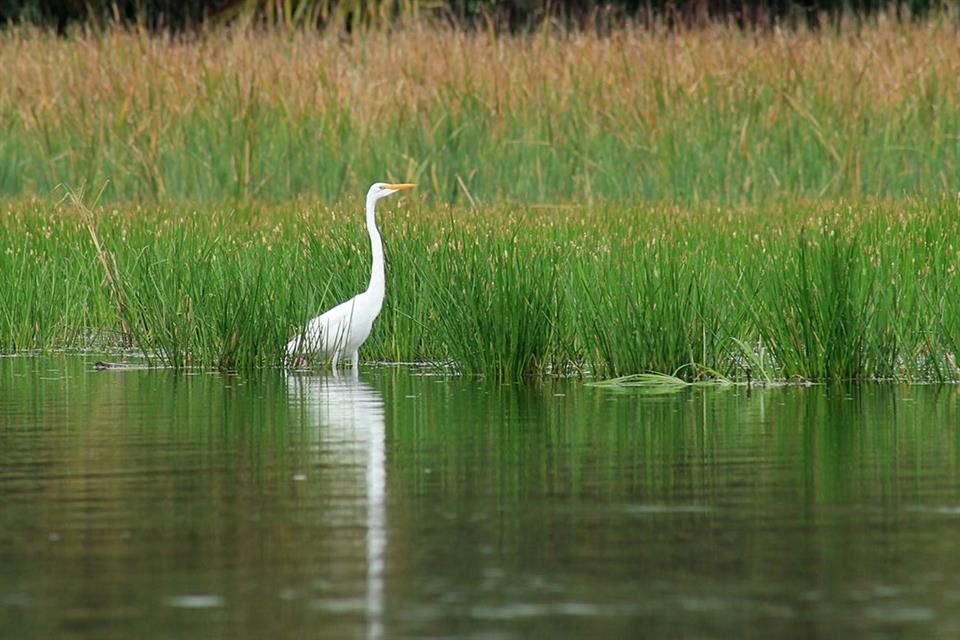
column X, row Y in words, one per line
column 343, row 329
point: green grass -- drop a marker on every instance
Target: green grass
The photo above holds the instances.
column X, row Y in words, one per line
column 705, row 204
column 806, row 292
column 496, row 303
column 575, row 155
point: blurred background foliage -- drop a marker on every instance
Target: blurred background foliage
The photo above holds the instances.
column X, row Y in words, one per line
column 512, row 15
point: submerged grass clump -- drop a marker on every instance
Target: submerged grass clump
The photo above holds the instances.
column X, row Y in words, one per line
column 807, row 292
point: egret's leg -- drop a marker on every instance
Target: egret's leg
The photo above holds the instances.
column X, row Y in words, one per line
column 336, row 359
column 292, row 357
column 355, row 358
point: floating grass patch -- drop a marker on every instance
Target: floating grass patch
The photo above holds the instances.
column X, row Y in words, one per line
column 656, row 383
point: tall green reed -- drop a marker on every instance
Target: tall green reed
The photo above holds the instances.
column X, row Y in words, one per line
column 814, row 308
column 52, row 296
column 496, row 303
column 568, row 156
column 812, row 291
column 655, row 309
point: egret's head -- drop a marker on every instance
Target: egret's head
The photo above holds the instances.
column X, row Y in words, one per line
column 384, row 189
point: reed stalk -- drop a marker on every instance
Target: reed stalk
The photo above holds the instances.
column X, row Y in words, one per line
column 813, row 292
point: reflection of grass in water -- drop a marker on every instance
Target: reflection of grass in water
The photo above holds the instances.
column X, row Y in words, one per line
column 805, row 292
column 831, row 442
column 706, row 115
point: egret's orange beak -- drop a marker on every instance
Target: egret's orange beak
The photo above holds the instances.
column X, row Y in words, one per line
column 401, row 186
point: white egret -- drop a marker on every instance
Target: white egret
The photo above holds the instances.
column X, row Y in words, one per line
column 341, row 330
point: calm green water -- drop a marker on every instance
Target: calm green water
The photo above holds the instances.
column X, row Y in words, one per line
column 147, row 504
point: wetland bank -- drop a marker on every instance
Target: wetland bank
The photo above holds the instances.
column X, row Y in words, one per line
column 711, row 202
column 849, row 292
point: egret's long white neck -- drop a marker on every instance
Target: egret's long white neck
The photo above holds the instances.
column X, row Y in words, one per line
column 377, row 287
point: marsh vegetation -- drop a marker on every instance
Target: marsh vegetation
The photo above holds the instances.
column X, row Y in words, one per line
column 778, row 205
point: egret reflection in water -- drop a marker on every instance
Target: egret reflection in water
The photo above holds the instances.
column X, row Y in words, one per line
column 348, row 419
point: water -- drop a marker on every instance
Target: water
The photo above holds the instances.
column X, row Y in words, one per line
column 148, row 504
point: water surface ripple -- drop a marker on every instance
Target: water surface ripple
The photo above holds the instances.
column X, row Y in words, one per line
column 150, row 504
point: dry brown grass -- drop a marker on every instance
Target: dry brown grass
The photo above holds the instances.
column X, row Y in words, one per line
column 713, row 113
column 418, row 67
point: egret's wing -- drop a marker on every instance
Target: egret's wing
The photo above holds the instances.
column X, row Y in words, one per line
column 324, row 334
